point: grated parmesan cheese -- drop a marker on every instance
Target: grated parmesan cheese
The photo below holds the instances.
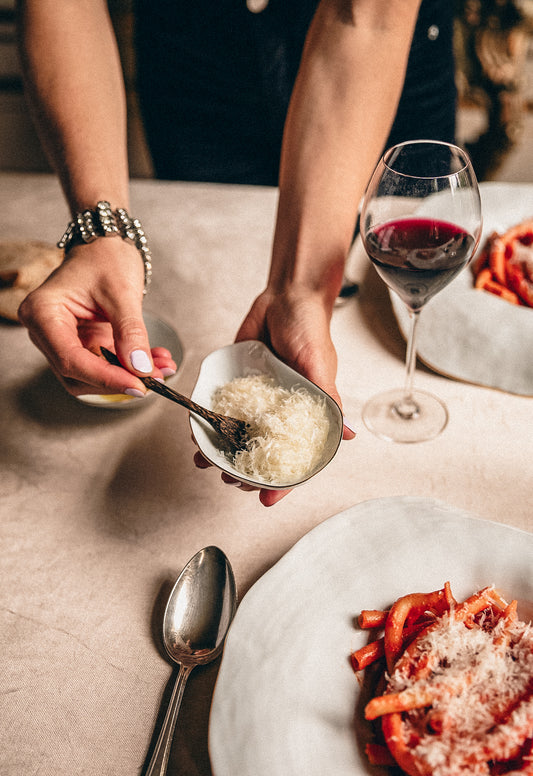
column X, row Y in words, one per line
column 288, row 428
column 490, row 707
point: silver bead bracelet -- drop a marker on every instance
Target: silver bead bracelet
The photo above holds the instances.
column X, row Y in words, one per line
column 88, row 225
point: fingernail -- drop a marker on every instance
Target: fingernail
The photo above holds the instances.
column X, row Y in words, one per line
column 167, row 371
column 135, row 393
column 140, row 361
column 348, row 426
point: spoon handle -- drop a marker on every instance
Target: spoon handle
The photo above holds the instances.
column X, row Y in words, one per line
column 221, row 423
column 159, row 761
column 162, row 389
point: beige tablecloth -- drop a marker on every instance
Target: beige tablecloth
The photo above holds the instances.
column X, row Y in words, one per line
column 100, row 510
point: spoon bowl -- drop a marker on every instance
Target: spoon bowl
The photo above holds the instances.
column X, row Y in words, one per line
column 199, row 611
column 200, row 608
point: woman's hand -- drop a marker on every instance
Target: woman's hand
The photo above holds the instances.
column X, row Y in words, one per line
column 95, row 298
column 295, row 326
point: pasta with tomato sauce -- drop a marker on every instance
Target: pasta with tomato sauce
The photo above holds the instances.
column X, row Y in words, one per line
column 456, row 685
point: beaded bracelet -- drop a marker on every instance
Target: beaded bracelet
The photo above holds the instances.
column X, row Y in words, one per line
column 104, row 222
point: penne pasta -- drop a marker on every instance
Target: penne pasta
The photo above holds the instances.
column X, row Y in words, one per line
column 456, row 686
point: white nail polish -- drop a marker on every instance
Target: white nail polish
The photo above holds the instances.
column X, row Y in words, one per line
column 135, row 393
column 140, row 361
column 348, row 426
column 168, row 371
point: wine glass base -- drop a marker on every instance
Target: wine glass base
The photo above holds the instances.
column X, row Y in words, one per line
column 383, row 416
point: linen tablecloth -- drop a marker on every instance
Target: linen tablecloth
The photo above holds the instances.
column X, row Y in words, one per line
column 100, row 510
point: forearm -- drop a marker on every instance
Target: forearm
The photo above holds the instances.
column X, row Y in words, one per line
column 341, row 112
column 75, row 88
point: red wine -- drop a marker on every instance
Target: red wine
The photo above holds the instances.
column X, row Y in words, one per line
column 417, row 257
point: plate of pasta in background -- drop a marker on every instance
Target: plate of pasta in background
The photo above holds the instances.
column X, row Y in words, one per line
column 469, row 334
column 287, row 700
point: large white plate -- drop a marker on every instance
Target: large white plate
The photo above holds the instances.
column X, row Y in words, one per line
column 285, row 699
column 472, row 335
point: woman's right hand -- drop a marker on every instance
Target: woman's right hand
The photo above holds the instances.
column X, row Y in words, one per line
column 94, row 299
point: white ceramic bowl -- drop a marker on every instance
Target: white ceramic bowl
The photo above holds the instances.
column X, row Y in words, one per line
column 240, row 360
column 161, row 335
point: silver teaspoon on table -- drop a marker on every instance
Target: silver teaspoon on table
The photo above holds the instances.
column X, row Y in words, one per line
column 197, row 617
column 233, row 431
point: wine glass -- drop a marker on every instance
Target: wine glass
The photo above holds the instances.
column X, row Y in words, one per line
column 420, row 225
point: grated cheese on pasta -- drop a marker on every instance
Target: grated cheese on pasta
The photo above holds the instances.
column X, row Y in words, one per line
column 489, row 674
column 288, row 428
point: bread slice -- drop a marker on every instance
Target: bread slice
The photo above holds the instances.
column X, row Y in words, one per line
column 24, row 265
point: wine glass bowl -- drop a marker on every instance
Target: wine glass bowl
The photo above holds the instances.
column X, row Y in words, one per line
column 420, row 225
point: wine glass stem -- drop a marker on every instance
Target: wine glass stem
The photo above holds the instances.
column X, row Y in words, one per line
column 408, row 408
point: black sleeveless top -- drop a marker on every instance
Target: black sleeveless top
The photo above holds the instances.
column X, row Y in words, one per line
column 214, row 82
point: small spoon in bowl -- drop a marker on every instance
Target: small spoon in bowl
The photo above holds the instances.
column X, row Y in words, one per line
column 233, row 431
column 199, row 611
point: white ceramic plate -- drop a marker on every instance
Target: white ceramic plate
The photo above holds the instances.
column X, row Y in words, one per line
column 286, row 697
column 161, row 335
column 472, row 335
column 240, row 360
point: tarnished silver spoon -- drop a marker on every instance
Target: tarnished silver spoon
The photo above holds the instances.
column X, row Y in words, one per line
column 233, row 431
column 197, row 616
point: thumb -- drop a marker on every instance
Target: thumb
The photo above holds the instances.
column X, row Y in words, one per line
column 331, row 389
column 348, row 431
column 131, row 341
column 321, row 376
column 253, row 326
